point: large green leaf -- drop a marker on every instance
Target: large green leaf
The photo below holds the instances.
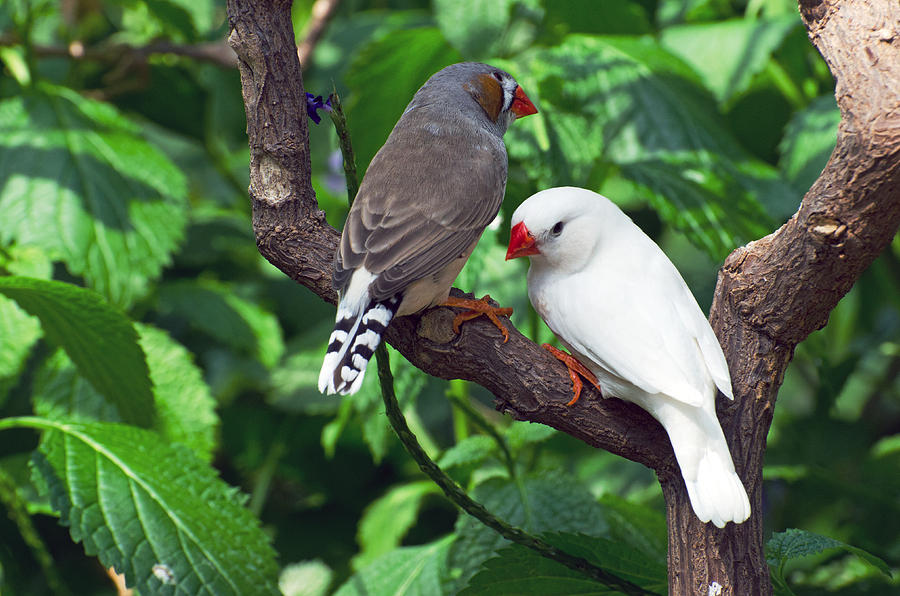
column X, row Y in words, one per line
column 405, row 58
column 794, row 543
column 743, row 49
column 519, row 570
column 80, row 182
column 100, row 340
column 625, row 107
column 151, row 510
column 544, row 503
column 410, row 570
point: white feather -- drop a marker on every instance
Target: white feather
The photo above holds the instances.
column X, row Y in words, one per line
column 620, row 306
column 351, row 305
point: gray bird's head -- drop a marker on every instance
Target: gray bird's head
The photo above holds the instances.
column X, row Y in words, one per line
column 562, row 227
column 475, row 90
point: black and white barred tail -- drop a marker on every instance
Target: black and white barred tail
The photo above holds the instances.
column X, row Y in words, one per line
column 357, row 332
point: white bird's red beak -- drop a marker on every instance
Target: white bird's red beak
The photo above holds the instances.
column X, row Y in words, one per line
column 521, row 105
column 521, row 242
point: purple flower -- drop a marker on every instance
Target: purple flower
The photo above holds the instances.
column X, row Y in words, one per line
column 314, row 103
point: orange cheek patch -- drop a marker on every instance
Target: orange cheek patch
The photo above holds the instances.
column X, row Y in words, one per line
column 489, row 94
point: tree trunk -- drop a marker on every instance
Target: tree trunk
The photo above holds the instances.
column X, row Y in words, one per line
column 771, row 293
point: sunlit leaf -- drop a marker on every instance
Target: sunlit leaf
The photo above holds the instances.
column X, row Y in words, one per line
column 743, row 49
column 80, row 182
column 99, row 339
column 410, row 570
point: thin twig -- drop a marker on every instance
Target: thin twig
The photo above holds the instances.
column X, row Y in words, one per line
column 215, row 52
column 462, row 500
column 322, row 12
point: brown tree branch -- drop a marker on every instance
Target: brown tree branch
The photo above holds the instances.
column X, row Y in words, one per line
column 771, row 293
column 215, row 52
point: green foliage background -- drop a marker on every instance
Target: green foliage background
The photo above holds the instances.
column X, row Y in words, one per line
column 170, row 371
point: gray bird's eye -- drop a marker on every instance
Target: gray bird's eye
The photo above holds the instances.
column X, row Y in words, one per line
column 497, row 75
column 557, row 229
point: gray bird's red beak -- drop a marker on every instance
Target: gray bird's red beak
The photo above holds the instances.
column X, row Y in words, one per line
column 521, row 105
column 521, row 242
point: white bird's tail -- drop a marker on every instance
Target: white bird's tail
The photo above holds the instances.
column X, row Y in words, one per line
column 714, row 488
column 357, row 332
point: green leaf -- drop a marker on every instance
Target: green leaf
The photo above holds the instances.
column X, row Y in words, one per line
column 809, row 139
column 387, row 519
column 470, row 451
column 545, row 503
column 519, row 570
column 474, row 28
column 410, row 570
column 743, row 49
column 215, row 309
column 151, row 510
column 520, row 434
column 406, row 58
column 100, row 340
column 18, row 333
column 81, row 183
column 185, row 408
column 794, row 543
column 483, row 29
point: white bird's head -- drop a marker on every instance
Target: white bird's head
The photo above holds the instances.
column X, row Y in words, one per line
column 562, row 226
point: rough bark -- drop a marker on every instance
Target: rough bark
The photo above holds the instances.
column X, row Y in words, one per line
column 771, row 293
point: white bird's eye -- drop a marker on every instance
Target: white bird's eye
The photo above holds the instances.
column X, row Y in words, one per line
column 497, row 75
column 557, row 229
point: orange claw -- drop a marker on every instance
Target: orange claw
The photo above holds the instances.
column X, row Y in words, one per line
column 575, row 369
column 476, row 308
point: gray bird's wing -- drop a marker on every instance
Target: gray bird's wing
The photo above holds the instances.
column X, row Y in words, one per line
column 421, row 204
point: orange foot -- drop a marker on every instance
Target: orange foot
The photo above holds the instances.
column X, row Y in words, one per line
column 575, row 368
column 476, row 308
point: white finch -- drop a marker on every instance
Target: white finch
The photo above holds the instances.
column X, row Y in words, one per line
column 427, row 196
column 614, row 299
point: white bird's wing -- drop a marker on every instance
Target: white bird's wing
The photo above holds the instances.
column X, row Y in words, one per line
column 707, row 340
column 634, row 328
